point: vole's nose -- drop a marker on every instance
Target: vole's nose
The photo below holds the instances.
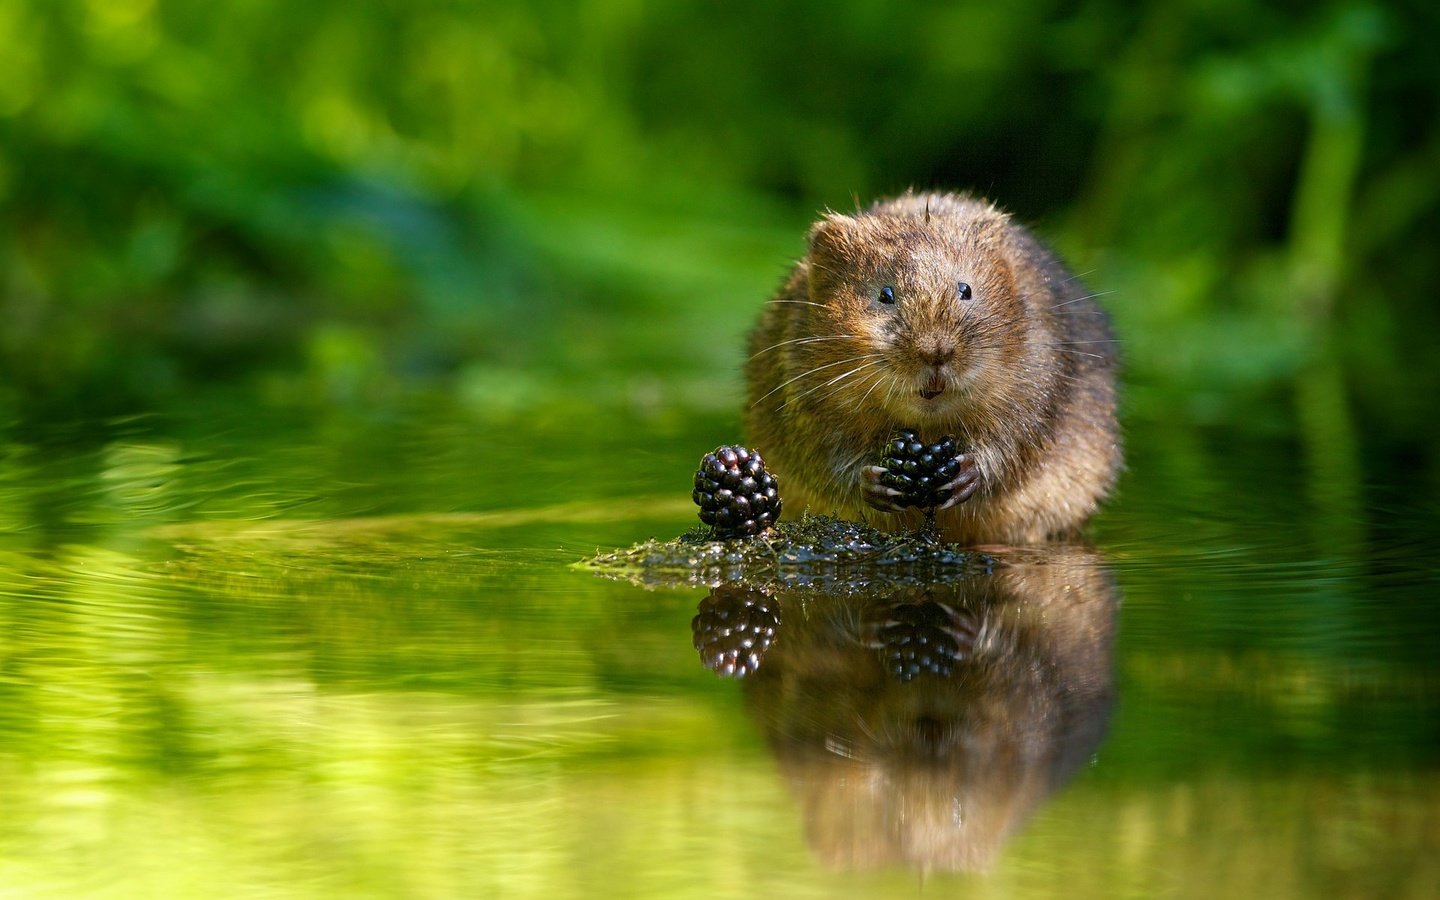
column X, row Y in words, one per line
column 937, row 352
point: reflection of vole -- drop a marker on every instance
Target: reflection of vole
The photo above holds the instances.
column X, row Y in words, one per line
column 936, row 312
column 937, row 771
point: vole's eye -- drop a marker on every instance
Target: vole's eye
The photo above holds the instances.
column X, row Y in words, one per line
column 963, row 290
column 886, row 296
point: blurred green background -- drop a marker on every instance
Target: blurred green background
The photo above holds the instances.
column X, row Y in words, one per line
column 359, row 321
column 339, row 202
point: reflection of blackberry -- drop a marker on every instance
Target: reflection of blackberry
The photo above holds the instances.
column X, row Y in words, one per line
column 733, row 628
column 922, row 637
column 736, row 496
column 918, row 471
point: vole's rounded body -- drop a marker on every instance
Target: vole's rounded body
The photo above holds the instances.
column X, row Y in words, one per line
column 936, row 312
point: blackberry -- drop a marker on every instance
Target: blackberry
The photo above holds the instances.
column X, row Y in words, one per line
column 736, row 496
column 922, row 637
column 919, row 471
column 733, row 628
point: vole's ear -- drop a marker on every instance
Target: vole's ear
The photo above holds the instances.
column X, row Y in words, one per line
column 832, row 236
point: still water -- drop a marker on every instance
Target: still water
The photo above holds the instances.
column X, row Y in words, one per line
column 247, row 652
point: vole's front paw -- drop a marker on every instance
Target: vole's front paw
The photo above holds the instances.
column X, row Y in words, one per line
column 893, row 493
column 875, row 492
column 965, row 483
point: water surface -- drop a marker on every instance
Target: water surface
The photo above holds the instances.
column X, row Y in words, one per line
column 256, row 652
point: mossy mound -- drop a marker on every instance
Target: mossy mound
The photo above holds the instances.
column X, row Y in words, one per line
column 819, row 552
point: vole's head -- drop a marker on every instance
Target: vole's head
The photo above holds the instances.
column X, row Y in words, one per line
column 929, row 301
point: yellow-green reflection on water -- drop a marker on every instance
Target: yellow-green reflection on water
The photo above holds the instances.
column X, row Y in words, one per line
column 287, row 666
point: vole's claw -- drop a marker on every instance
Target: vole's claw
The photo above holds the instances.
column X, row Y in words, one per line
column 874, row 492
column 963, row 485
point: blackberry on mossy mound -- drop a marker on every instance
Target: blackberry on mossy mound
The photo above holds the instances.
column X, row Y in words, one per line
column 918, row 470
column 736, row 496
column 733, row 628
column 922, row 636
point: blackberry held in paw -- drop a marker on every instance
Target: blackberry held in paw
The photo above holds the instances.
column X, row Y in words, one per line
column 914, row 474
column 736, row 495
column 938, row 313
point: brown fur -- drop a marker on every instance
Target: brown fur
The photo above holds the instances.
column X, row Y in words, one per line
column 1028, row 366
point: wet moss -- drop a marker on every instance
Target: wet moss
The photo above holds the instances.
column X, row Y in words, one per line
column 820, row 552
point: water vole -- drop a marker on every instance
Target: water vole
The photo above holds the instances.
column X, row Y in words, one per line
column 936, row 312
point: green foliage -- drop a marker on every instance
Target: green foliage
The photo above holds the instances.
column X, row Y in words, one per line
column 363, row 195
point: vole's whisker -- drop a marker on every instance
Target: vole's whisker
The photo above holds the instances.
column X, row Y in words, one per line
column 1079, row 299
column 798, row 302
column 841, row 387
column 852, row 403
column 890, row 392
column 842, row 362
column 879, row 380
column 805, row 340
column 841, row 377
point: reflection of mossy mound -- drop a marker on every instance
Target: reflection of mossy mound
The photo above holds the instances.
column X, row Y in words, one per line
column 817, row 551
